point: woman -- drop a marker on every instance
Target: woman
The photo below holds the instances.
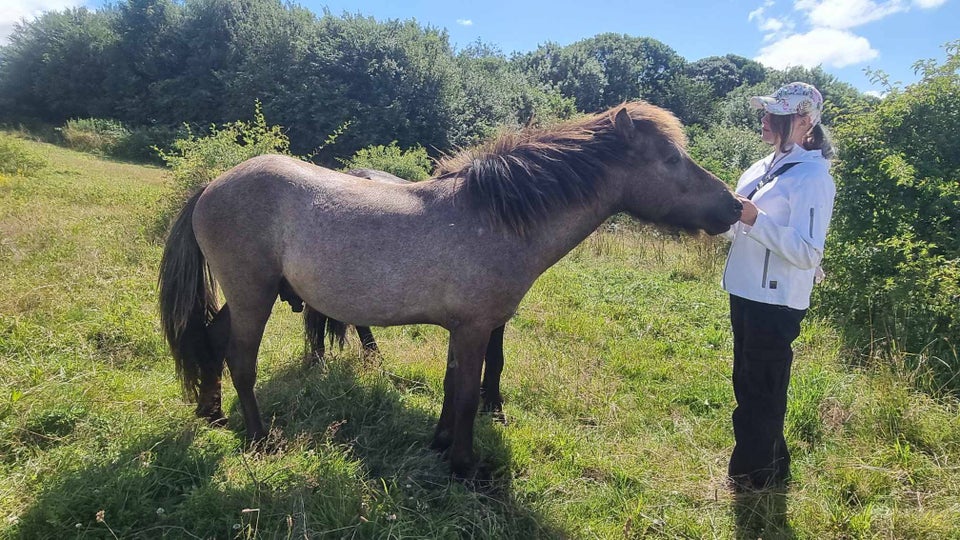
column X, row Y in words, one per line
column 775, row 253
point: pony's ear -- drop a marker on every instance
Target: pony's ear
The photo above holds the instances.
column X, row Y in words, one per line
column 624, row 124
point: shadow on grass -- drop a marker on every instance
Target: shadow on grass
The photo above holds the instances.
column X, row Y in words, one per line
column 379, row 421
column 351, row 460
column 762, row 514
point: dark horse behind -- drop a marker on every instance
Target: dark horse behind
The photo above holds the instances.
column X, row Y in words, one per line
column 459, row 250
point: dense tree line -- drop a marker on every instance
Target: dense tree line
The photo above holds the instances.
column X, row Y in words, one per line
column 166, row 62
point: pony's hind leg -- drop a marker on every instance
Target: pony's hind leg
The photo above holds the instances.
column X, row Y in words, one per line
column 492, row 368
column 211, row 369
column 247, row 322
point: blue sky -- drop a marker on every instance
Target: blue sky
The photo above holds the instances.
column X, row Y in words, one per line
column 844, row 36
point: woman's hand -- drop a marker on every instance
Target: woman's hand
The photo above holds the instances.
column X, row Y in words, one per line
column 749, row 214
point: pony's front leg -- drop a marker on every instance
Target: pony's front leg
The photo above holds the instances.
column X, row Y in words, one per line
column 468, row 346
column 443, row 435
column 492, row 368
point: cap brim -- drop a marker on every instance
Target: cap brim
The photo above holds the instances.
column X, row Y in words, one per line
column 761, row 102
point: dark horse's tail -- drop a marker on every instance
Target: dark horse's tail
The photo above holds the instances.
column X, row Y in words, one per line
column 316, row 324
column 188, row 301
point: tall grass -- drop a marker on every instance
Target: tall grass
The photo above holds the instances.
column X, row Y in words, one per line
column 617, row 385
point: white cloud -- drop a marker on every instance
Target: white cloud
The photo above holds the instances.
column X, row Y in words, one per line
column 876, row 93
column 827, row 46
column 464, row 22
column 772, row 27
column 848, row 13
column 929, row 4
column 13, row 11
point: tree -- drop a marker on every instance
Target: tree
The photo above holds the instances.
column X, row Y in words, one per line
column 54, row 66
column 572, row 71
column 389, row 81
column 148, row 52
column 724, row 73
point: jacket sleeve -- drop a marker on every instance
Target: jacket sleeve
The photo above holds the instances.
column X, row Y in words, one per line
column 800, row 241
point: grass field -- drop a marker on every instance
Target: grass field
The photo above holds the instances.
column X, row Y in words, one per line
column 617, row 384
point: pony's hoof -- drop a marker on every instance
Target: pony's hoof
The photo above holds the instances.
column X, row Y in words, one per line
column 495, row 410
column 474, row 477
column 312, row 360
column 214, row 418
column 441, row 442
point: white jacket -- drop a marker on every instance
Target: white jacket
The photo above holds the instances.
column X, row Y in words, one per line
column 774, row 260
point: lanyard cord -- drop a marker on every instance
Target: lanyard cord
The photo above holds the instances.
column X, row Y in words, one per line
column 770, row 177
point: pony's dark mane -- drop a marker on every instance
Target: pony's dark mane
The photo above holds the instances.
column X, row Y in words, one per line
column 518, row 179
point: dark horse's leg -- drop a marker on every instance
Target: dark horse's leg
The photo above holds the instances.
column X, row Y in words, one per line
column 314, row 326
column 211, row 368
column 467, row 345
column 367, row 340
column 493, row 367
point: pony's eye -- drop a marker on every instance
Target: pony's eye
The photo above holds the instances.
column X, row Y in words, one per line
column 673, row 160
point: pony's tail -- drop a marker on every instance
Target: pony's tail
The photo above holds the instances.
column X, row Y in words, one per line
column 188, row 301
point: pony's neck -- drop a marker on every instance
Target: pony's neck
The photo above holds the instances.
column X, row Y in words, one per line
column 567, row 229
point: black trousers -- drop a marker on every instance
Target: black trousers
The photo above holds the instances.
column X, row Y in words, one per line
column 762, row 356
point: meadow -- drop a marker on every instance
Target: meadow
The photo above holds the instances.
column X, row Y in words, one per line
column 617, row 387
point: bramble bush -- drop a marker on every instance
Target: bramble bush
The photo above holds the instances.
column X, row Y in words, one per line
column 195, row 161
column 412, row 164
column 893, row 259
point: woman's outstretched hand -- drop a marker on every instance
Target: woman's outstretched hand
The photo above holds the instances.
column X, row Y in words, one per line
column 749, row 214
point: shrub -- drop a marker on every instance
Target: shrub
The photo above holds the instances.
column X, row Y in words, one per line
column 412, row 164
column 95, row 135
column 893, row 258
column 195, row 161
column 142, row 143
column 17, row 159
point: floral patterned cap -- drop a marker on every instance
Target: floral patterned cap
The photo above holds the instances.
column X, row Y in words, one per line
column 793, row 98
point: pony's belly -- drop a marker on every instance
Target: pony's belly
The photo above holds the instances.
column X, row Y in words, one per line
column 424, row 298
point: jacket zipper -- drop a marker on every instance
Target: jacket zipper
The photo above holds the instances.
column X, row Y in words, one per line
column 766, row 264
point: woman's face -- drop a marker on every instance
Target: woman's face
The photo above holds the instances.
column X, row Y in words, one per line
column 800, row 126
column 766, row 135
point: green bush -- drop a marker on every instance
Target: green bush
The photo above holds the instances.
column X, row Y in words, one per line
column 893, row 258
column 413, row 164
column 16, row 159
column 111, row 138
column 142, row 143
column 95, row 135
column 195, row 161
